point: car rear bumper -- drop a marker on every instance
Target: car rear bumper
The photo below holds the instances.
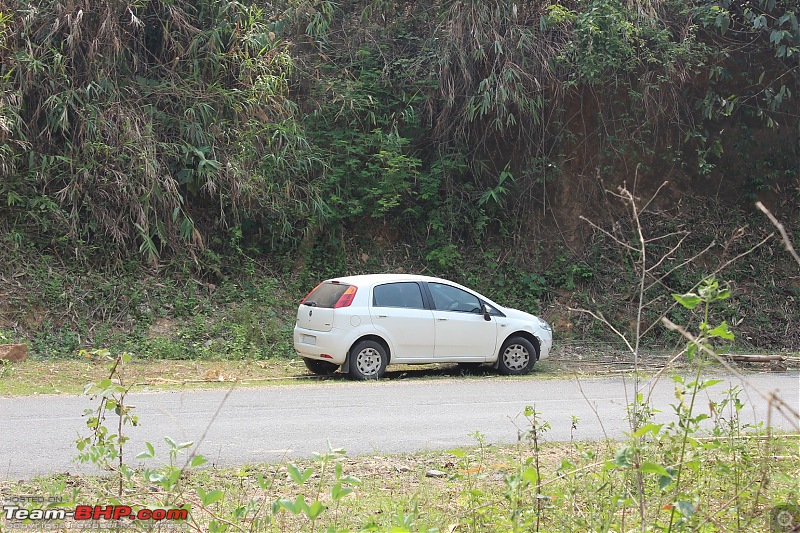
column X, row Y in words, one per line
column 322, row 345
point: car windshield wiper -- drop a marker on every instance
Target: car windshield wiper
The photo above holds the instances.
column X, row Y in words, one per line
column 310, row 304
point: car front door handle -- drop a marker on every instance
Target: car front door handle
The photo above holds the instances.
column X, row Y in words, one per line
column 441, row 319
column 381, row 316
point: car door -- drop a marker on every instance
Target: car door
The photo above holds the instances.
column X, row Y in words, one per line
column 462, row 333
column 398, row 312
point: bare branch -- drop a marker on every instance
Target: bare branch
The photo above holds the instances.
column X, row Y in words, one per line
column 786, row 241
column 667, row 254
column 595, row 226
column 650, row 201
column 691, row 259
column 602, row 319
column 714, row 273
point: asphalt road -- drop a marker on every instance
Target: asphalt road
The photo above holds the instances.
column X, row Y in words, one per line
column 269, row 424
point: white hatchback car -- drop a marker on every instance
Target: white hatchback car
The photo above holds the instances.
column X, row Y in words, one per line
column 364, row 323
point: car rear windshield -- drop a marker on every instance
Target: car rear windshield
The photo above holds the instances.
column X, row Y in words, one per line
column 326, row 295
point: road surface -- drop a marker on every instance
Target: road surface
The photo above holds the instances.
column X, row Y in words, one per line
column 254, row 425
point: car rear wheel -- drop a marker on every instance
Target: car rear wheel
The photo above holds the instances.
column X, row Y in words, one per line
column 517, row 357
column 368, row 360
column 321, row 368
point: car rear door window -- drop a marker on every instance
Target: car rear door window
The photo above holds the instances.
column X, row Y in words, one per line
column 406, row 295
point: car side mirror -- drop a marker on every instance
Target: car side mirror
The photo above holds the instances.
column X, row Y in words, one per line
column 487, row 314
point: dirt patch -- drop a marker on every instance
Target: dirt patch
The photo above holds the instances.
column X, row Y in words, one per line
column 162, row 327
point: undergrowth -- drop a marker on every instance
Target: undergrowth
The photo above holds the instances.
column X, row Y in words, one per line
column 244, row 307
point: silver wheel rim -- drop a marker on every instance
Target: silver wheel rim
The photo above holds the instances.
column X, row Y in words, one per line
column 368, row 361
column 516, row 357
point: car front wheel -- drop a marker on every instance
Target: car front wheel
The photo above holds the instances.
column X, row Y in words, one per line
column 321, row 368
column 368, row 360
column 517, row 357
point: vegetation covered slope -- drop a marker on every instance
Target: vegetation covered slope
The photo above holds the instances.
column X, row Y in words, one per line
column 465, row 138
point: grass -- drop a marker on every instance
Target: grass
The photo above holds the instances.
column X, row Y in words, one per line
column 69, row 376
column 482, row 488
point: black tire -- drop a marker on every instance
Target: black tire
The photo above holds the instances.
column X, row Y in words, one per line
column 368, row 360
column 321, row 368
column 517, row 357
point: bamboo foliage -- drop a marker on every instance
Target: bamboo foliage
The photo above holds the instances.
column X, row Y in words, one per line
column 151, row 125
column 128, row 111
column 493, row 69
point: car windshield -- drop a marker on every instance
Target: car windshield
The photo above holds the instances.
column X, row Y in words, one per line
column 326, row 295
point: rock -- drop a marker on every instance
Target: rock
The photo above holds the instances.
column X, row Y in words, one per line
column 14, row 352
column 435, row 473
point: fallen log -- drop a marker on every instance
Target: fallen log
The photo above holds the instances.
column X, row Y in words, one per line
column 755, row 358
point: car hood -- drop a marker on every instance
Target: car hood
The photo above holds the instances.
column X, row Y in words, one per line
column 522, row 315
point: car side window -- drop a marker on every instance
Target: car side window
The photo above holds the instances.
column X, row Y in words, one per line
column 448, row 298
column 406, row 294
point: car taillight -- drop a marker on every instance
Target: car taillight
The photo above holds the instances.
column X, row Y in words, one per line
column 309, row 293
column 347, row 298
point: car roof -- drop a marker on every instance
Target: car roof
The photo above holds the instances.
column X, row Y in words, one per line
column 363, row 280
column 372, row 279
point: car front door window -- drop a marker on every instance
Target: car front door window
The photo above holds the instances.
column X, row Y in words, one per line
column 448, row 298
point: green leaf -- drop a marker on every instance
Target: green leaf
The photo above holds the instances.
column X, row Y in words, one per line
column 653, row 468
column 149, row 454
column 691, row 351
column 264, row 483
column 686, row 508
column 709, row 383
column 338, row 492
column 314, row 510
column 621, row 458
column 665, row 481
column 530, row 475
column 722, row 332
column 209, row 497
column 295, row 507
column 298, row 476
column 648, row 428
column 217, row 527
column 688, row 300
column 198, row 460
